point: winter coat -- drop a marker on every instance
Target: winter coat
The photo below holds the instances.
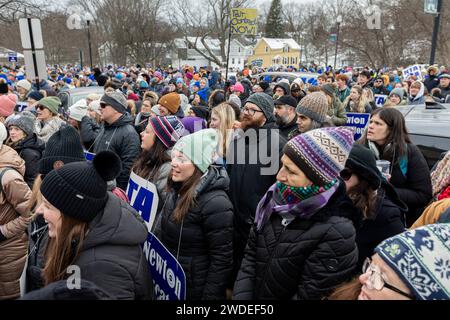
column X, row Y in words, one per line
column 48, row 128
column 380, row 90
column 337, row 113
column 38, row 239
column 121, row 138
column 387, row 221
column 89, row 131
column 419, row 99
column 287, row 130
column 304, row 260
column 444, row 92
column 14, row 220
column 249, row 183
column 343, row 94
column 432, row 213
column 206, row 244
column 431, row 82
column 111, row 256
column 285, row 86
column 414, row 188
column 412, row 181
column 141, row 122
column 30, row 150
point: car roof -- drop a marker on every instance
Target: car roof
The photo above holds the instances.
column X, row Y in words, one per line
column 289, row 74
column 427, row 120
column 77, row 91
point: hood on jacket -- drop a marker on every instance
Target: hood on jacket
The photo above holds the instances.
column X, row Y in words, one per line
column 123, row 121
column 11, row 159
column 216, row 178
column 388, row 191
column 32, row 142
column 116, row 224
column 420, row 94
column 285, row 86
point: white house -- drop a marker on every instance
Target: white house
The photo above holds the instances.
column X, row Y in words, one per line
column 184, row 54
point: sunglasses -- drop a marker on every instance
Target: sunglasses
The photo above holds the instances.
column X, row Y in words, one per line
column 42, row 108
column 103, row 106
column 346, row 174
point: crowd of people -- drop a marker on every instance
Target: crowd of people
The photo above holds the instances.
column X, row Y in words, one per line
column 263, row 191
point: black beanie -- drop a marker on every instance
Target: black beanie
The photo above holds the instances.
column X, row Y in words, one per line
column 363, row 163
column 64, row 145
column 79, row 189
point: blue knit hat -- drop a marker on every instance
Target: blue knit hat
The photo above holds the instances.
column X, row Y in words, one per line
column 421, row 258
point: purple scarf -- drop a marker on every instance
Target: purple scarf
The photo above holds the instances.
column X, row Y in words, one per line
column 273, row 203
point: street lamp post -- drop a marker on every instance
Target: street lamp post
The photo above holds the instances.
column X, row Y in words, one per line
column 89, row 40
column 338, row 21
column 437, row 23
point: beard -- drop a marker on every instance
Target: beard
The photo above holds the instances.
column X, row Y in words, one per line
column 251, row 123
column 281, row 121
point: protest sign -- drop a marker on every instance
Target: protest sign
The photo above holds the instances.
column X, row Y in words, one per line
column 244, row 21
column 168, row 276
column 380, row 100
column 359, row 121
column 412, row 71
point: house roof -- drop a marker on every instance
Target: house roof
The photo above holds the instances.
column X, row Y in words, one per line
column 213, row 44
column 277, row 44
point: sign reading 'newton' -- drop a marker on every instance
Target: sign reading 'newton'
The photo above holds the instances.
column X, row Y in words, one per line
column 244, row 21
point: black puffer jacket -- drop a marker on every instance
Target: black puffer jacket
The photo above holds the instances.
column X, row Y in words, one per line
column 112, row 257
column 388, row 220
column 249, row 183
column 206, row 251
column 121, row 138
column 89, row 131
column 38, row 239
column 304, row 260
column 30, row 150
column 415, row 188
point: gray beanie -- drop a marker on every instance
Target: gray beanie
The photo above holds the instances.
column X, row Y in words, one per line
column 116, row 100
column 24, row 122
column 264, row 102
column 314, row 106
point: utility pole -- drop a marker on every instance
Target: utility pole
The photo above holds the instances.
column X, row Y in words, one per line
column 437, row 23
column 338, row 21
column 89, row 41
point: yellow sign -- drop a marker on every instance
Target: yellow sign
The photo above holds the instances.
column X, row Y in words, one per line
column 244, row 21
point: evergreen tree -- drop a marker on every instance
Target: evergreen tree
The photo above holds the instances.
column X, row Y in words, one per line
column 274, row 24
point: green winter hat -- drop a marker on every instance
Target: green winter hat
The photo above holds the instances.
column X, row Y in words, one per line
column 51, row 103
column 199, row 147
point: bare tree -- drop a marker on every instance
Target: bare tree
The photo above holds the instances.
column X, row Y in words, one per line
column 207, row 19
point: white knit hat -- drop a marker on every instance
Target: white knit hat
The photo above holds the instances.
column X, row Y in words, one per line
column 78, row 110
column 95, row 106
column 24, row 84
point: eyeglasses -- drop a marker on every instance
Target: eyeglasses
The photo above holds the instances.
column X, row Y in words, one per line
column 42, row 108
column 250, row 112
column 346, row 174
column 377, row 281
column 103, row 106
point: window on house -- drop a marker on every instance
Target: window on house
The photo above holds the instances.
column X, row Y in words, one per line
column 239, row 49
column 232, row 60
column 239, row 61
column 267, row 49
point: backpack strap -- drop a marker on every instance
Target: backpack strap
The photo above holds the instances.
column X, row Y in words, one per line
column 2, row 173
